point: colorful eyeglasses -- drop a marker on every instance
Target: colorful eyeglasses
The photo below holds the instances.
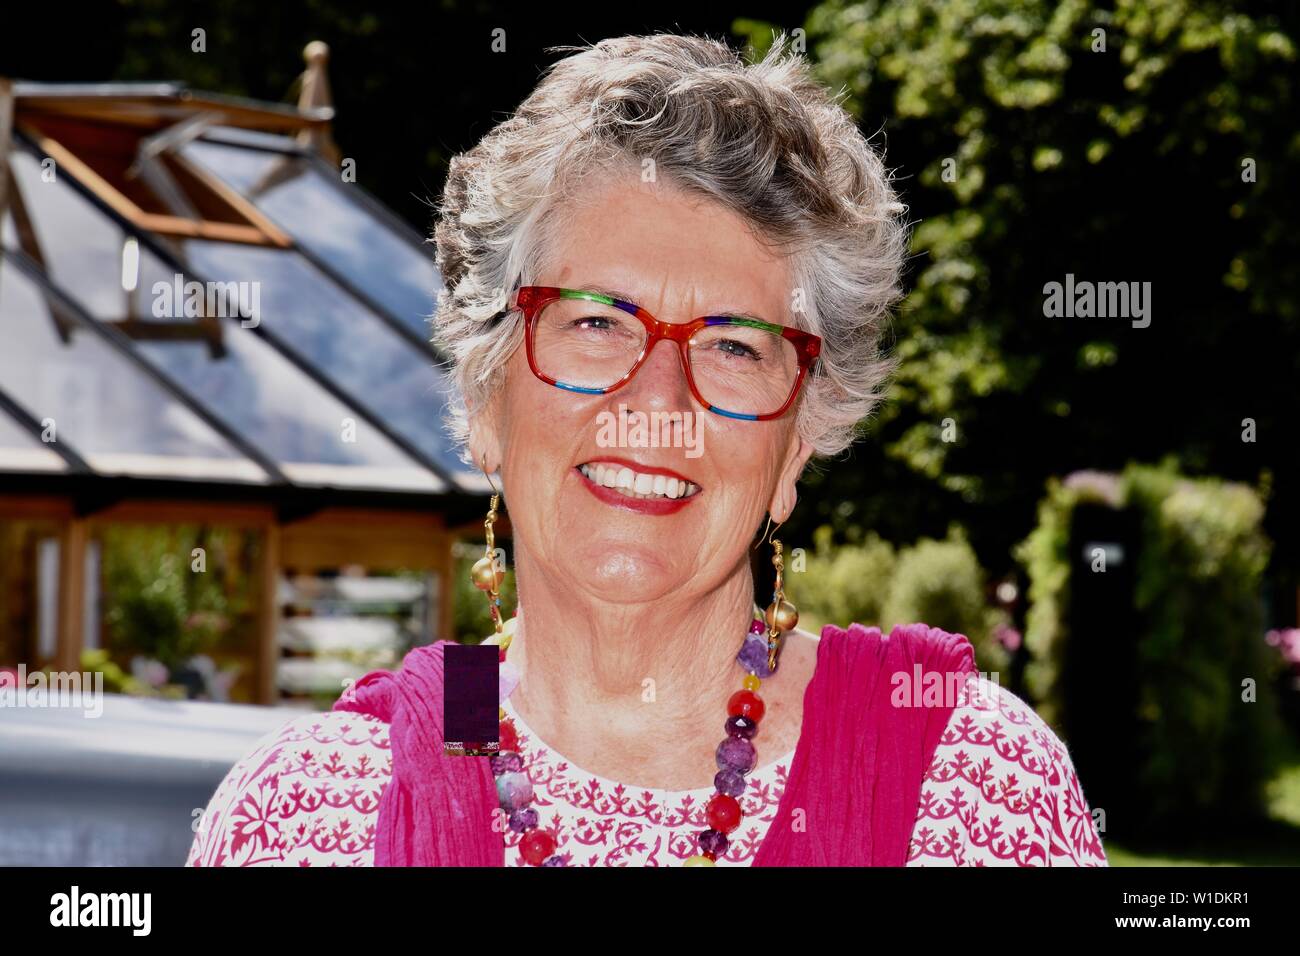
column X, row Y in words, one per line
column 588, row 342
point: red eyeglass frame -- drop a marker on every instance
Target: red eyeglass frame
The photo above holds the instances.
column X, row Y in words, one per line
column 530, row 300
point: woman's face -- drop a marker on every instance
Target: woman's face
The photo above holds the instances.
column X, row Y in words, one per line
column 678, row 257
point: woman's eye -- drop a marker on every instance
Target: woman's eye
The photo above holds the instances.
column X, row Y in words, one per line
column 738, row 349
column 596, row 322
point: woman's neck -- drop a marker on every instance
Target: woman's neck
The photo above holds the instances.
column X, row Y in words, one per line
column 636, row 693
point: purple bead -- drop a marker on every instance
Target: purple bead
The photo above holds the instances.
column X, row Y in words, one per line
column 730, row 782
column 753, row 656
column 736, row 753
column 711, row 841
column 521, row 820
column 741, row 727
column 514, row 791
column 554, row 860
column 507, row 762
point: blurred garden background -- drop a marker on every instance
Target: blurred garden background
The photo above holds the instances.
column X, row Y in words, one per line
column 1111, row 513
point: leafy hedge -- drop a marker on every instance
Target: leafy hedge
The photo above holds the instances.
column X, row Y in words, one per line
column 939, row 583
column 1200, row 747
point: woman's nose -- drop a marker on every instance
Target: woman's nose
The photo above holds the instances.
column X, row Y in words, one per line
column 660, row 383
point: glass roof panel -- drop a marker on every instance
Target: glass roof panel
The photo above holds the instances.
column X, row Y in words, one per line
column 83, row 249
column 116, row 416
column 20, row 450
column 237, row 376
column 362, row 247
column 314, row 437
column 338, row 335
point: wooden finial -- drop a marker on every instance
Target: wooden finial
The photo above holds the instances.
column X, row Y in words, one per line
column 316, row 53
column 315, row 94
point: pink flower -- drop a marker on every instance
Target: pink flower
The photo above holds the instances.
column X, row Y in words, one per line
column 1007, row 636
column 1287, row 641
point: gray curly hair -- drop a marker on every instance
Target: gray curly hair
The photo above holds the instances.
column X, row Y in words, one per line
column 765, row 140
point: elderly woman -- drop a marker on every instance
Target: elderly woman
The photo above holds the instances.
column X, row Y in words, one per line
column 667, row 277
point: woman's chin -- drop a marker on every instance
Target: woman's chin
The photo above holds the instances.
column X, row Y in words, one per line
column 625, row 573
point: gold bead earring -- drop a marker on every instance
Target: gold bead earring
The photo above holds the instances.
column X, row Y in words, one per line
column 781, row 614
column 487, row 573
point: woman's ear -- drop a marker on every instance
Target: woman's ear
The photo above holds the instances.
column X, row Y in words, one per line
column 785, row 495
column 484, row 436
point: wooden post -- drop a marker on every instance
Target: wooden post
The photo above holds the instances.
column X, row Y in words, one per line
column 6, row 132
column 72, row 595
column 446, row 623
column 268, row 648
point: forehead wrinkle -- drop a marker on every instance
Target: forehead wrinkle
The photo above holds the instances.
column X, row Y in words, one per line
column 613, row 293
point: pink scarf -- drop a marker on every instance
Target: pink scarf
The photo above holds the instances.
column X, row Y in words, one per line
column 850, row 799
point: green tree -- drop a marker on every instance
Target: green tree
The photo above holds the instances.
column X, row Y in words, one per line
column 1149, row 142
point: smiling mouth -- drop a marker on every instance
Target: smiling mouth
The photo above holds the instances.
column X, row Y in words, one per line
column 638, row 484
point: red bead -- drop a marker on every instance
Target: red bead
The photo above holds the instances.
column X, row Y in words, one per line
column 501, row 656
column 509, row 740
column 709, row 856
column 745, row 703
column 536, row 845
column 723, row 813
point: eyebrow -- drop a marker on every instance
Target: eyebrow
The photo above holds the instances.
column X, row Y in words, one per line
column 626, row 297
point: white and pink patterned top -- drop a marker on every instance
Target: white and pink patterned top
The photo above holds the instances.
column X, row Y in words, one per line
column 1001, row 791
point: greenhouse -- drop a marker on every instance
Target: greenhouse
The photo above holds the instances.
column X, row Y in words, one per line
column 223, row 468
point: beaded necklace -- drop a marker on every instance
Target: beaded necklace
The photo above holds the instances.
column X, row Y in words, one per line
column 735, row 757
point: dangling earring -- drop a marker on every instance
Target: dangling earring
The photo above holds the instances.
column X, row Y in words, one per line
column 781, row 614
column 487, row 574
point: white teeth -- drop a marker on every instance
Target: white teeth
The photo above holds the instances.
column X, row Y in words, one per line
column 637, row 484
